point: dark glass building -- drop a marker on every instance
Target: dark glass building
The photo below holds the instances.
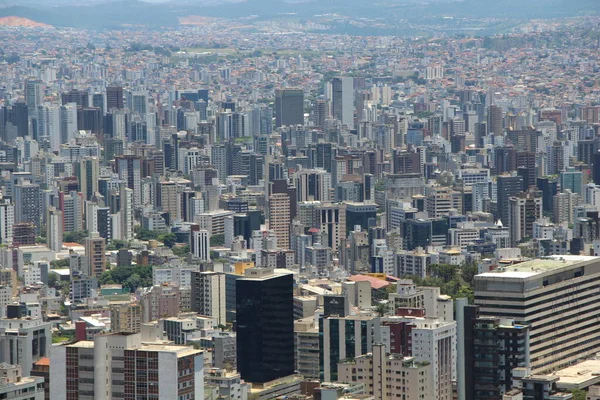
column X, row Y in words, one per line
column 265, row 325
column 360, row 214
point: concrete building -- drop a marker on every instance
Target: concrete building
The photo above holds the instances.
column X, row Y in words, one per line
column 523, row 211
column 159, row 302
column 200, row 243
column 306, row 347
column 289, row 107
column 125, row 318
column 341, row 337
column 229, row 383
column 558, row 294
column 24, row 341
column 120, row 366
column 380, row 373
column 95, row 255
column 208, row 295
column 280, row 219
column 15, row 386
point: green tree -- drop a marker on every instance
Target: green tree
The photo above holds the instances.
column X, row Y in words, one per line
column 181, row 251
column 445, row 271
column 579, row 394
column 169, row 239
column 468, row 272
column 145, row 234
column 75, row 237
column 60, row 264
column 382, row 309
column 217, row 240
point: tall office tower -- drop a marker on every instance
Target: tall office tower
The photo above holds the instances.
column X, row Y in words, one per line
column 342, row 100
column 559, row 294
column 98, row 101
column 265, row 325
column 378, row 371
column 28, row 206
column 564, row 204
column 404, row 162
column 524, row 139
column 72, row 206
column 208, row 294
column 280, row 218
column 200, row 243
column 507, row 186
column 571, row 179
column 24, row 341
column 526, row 162
column 494, row 120
column 505, row 159
column 167, row 199
column 344, row 336
column 524, row 210
column 121, row 366
column 137, row 101
column 91, row 119
column 320, row 113
column 117, row 124
column 361, row 214
column 129, row 168
column 331, row 220
column 218, row 158
column 87, row 173
column 548, row 188
column 313, row 185
column 596, row 167
column 289, row 107
column 68, row 122
column 440, row 200
column 7, row 221
column 126, row 216
column 489, row 348
column 80, row 97
column 125, row 318
column 19, row 117
column 48, row 126
column 54, row 229
column 96, row 255
column 34, row 93
column 114, row 97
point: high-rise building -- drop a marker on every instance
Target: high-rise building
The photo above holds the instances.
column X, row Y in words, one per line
column 342, row 100
column 572, row 180
column 18, row 387
column 34, row 93
column 129, row 169
column 265, row 318
column 28, row 206
column 208, row 295
column 125, row 318
column 87, row 173
column 507, row 186
column 380, row 373
column 160, row 302
column 280, row 218
column 558, row 295
column 489, row 348
column 523, row 210
column 114, row 97
column 96, row 255
column 360, row 214
column 313, row 185
column 200, row 243
column 289, row 107
column 120, row 366
column 7, row 221
column 24, row 341
column 494, row 120
column 342, row 337
column 54, row 229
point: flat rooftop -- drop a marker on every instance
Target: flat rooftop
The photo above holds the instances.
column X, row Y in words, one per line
column 538, row 266
column 579, row 376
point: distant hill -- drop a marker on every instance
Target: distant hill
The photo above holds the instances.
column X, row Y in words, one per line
column 95, row 14
column 20, row 21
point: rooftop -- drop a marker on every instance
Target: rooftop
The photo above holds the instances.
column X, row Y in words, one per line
column 534, row 267
column 579, row 376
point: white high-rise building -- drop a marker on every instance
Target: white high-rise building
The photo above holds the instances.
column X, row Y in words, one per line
column 7, row 220
column 200, row 244
column 68, row 122
column 112, row 365
column 342, row 99
column 24, row 341
column 48, row 125
column 54, row 229
column 208, row 295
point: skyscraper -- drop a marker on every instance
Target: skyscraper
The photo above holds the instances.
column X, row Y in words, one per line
column 200, row 243
column 28, row 203
column 289, row 107
column 54, row 229
column 86, row 172
column 34, row 93
column 280, row 218
column 129, row 169
column 265, row 325
column 208, row 294
column 7, row 221
column 507, row 186
column 95, row 253
column 494, row 121
column 342, row 98
column 114, row 97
